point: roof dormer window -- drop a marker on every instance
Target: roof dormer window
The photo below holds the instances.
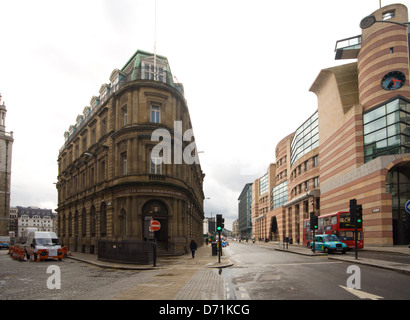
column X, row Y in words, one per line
column 116, row 79
column 388, row 15
column 151, row 72
column 94, row 102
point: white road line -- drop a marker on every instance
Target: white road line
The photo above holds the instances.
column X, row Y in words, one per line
column 361, row 294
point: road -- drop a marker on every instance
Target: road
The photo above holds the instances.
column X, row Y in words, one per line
column 79, row 281
column 259, row 273
column 262, row 273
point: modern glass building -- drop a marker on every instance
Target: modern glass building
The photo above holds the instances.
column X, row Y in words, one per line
column 386, row 129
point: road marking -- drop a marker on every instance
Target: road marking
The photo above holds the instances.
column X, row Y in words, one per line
column 302, row 263
column 361, row 294
column 244, row 293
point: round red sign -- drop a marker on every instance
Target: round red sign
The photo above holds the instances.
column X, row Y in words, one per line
column 155, row 225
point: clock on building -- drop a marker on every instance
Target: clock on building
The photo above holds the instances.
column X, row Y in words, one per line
column 393, row 80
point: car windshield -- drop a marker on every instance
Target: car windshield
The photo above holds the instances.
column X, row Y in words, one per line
column 331, row 238
column 47, row 242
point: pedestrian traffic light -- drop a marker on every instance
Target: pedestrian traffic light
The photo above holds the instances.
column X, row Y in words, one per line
column 219, row 222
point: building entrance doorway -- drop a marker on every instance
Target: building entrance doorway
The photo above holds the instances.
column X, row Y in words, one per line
column 157, row 210
column 398, row 185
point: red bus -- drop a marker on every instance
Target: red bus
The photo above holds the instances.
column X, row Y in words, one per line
column 335, row 223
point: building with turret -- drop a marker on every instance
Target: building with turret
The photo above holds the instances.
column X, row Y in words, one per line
column 6, row 144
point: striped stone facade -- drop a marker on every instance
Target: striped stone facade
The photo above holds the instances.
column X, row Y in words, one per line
column 324, row 176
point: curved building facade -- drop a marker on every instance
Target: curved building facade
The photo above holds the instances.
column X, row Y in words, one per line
column 355, row 146
column 130, row 158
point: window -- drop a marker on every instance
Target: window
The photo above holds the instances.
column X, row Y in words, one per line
column 386, row 129
column 155, row 114
column 102, row 171
column 93, row 135
column 279, row 195
column 124, row 163
column 316, row 182
column 84, row 143
column 156, row 167
column 124, row 115
column 148, row 72
column 264, row 184
column 315, row 161
column 306, row 138
column 103, row 126
column 388, row 15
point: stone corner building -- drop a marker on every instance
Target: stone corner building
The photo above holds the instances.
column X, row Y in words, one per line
column 110, row 184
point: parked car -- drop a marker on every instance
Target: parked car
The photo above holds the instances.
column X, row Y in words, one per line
column 328, row 243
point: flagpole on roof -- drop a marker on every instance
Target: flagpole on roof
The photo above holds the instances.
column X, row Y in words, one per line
column 155, row 41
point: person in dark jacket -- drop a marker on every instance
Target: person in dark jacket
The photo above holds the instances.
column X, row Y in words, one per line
column 193, row 247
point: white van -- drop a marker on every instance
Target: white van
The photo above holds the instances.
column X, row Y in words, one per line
column 43, row 245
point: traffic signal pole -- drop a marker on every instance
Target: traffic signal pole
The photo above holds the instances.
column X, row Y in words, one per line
column 219, row 227
column 355, row 217
column 220, row 247
column 313, row 222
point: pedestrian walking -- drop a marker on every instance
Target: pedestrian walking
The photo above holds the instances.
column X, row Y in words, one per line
column 193, row 247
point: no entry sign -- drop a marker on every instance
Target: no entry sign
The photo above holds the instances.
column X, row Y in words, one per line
column 154, row 225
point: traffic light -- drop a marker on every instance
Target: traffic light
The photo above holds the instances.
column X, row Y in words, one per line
column 353, row 211
column 219, row 224
column 313, row 221
column 359, row 214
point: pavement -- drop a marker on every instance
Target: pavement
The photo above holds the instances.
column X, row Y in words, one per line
column 181, row 276
column 178, row 277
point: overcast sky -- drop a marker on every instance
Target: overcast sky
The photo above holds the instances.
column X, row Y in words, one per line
column 246, row 66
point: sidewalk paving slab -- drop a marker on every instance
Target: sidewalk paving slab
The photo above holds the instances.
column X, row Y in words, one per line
column 182, row 276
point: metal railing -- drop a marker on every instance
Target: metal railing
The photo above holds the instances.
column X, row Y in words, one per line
column 127, row 251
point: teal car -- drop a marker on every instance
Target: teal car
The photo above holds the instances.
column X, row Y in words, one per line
column 328, row 243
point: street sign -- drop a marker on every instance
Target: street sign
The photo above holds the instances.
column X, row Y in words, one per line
column 154, row 225
column 408, row 206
